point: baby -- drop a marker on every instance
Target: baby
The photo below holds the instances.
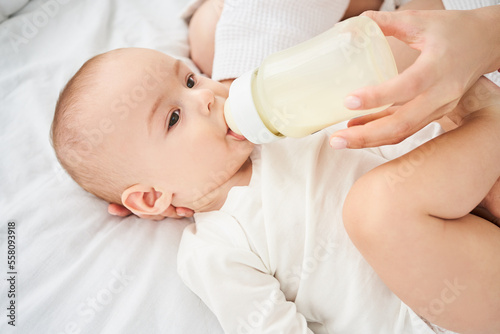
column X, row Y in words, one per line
column 269, row 252
column 100, row 107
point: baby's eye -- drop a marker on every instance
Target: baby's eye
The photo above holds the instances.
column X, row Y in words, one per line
column 174, row 118
column 190, row 81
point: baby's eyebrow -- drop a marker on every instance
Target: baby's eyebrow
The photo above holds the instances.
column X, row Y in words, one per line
column 152, row 113
column 176, row 66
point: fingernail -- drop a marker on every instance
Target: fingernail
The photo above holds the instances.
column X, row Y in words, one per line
column 352, row 102
column 338, row 143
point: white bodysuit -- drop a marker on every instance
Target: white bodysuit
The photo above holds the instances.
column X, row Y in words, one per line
column 277, row 259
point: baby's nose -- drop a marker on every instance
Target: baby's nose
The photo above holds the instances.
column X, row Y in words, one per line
column 206, row 99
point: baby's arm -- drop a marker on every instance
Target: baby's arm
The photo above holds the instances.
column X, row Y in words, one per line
column 202, row 34
column 410, row 219
column 215, row 261
column 357, row 7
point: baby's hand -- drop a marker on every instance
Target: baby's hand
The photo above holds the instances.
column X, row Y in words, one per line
column 172, row 212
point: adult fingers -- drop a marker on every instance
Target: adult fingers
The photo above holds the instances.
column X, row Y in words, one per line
column 184, row 212
column 121, row 211
column 403, row 25
column 118, row 210
column 152, row 217
column 361, row 120
column 402, row 88
column 390, row 129
column 174, row 212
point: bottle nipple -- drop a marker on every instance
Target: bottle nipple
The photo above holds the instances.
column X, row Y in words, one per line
column 229, row 118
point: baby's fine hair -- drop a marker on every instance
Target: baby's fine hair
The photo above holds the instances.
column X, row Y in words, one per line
column 85, row 159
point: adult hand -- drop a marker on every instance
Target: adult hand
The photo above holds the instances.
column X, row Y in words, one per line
column 457, row 47
column 172, row 212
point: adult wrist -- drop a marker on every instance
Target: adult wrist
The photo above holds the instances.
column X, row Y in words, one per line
column 489, row 17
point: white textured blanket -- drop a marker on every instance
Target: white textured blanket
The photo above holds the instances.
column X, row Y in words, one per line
column 77, row 269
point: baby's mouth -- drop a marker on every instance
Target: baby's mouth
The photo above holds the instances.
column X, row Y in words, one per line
column 231, row 132
column 234, row 134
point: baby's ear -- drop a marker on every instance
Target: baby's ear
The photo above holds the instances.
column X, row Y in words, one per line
column 145, row 200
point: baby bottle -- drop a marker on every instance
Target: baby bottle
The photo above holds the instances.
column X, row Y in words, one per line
column 300, row 90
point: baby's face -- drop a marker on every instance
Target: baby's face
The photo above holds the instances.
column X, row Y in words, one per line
column 169, row 129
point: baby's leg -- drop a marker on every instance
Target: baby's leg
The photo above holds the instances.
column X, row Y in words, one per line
column 492, row 204
column 410, row 220
column 489, row 208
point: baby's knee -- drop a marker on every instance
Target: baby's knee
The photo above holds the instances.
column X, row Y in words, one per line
column 374, row 214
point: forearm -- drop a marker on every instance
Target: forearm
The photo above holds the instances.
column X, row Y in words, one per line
column 489, row 18
column 452, row 173
column 446, row 177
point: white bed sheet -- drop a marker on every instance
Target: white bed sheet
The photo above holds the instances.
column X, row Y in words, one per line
column 80, row 270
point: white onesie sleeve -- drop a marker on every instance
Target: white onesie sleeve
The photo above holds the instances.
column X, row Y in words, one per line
column 250, row 30
column 216, row 262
